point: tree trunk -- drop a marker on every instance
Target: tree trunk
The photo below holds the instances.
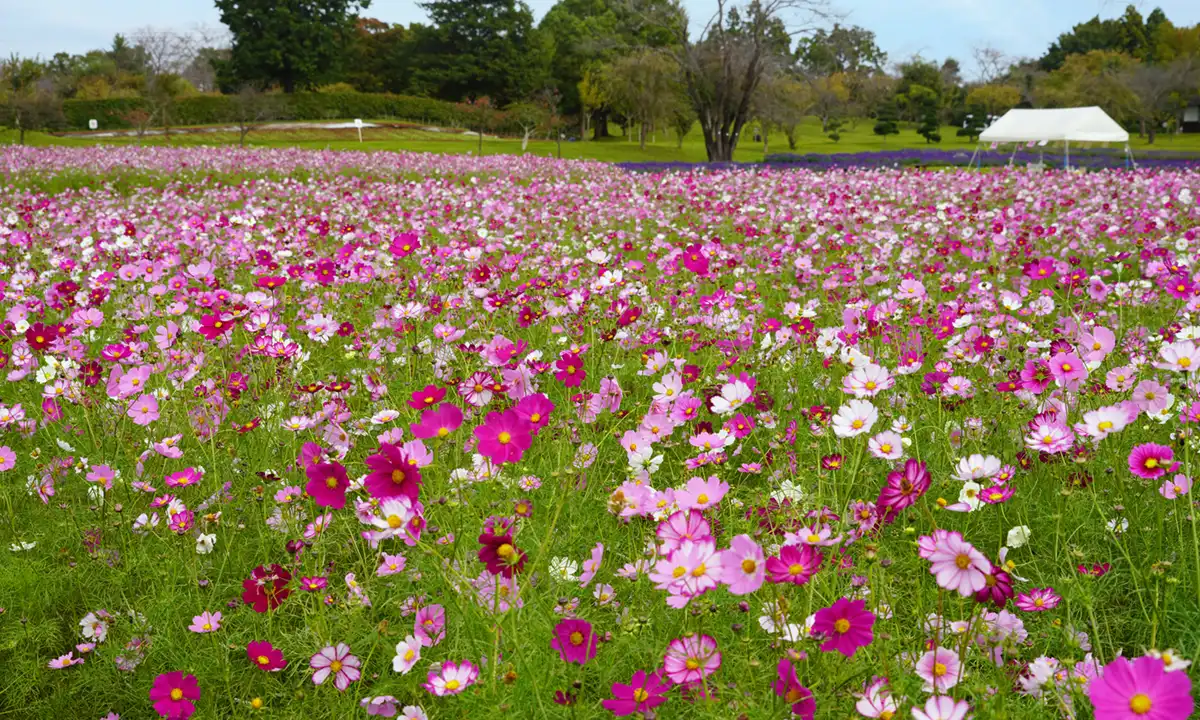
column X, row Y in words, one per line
column 642, row 129
column 599, row 125
column 525, row 140
column 1151, row 131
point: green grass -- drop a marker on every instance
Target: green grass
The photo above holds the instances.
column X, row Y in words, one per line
column 662, row 147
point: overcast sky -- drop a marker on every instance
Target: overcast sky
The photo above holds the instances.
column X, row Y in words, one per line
column 936, row 29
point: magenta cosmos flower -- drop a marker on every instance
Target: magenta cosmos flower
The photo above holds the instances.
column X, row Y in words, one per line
column 266, row 588
column 451, row 678
column 426, row 397
column 643, row 693
column 504, row 437
column 787, row 686
column 437, row 422
column 957, row 565
column 392, row 474
column 691, row 659
column 327, row 483
column 574, row 641
column 1141, row 689
column 846, row 625
column 173, row 693
column 570, row 370
column 795, row 564
column 337, row 661
column 1150, row 460
column 265, row 656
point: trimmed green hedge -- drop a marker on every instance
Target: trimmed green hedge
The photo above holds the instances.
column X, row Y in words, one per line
column 212, row 109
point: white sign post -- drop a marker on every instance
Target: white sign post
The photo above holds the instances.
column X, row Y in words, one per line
column 358, row 126
column 92, row 124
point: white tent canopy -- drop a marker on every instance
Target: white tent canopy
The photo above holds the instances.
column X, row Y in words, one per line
column 1080, row 124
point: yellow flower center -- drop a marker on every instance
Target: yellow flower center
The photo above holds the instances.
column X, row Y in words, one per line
column 939, row 669
column 640, row 695
column 504, row 438
column 1039, row 602
column 679, row 572
column 842, row 625
column 813, row 538
column 699, row 570
column 409, row 655
column 452, row 685
column 394, row 521
column 577, row 638
column 796, row 569
column 794, row 695
column 176, row 694
column 1139, row 704
column 1151, row 462
column 264, row 660
column 857, row 424
column 397, row 476
column 1185, row 362
column 1105, row 425
column 749, row 566
column 702, row 498
column 963, row 562
column 505, row 551
column 691, row 663
column 331, row 482
column 870, row 385
column 1066, row 367
column 886, row 447
column 208, row 626
column 335, row 666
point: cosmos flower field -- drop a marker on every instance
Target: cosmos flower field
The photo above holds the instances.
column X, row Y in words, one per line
column 298, row 434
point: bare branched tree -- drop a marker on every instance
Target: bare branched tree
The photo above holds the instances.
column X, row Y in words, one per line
column 253, row 107
column 723, row 66
column 1159, row 92
column 991, row 64
column 168, row 54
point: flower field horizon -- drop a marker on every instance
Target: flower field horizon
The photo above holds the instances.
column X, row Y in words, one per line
column 305, row 434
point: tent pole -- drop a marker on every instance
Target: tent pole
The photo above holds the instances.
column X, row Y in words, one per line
column 1067, row 156
column 1014, row 154
column 973, row 155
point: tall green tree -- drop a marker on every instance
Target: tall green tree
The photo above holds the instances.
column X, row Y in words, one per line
column 292, row 43
column 480, row 48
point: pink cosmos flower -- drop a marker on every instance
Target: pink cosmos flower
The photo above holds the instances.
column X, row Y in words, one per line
column 643, row 693
column 427, row 397
column 846, row 626
column 1049, row 437
column 957, row 565
column 1038, row 600
column 408, row 652
column 430, row 625
column 1182, row 356
column 887, row 445
column 437, row 422
column 451, row 678
column 940, row 669
column 390, row 565
column 382, row 705
column 173, row 693
column 1150, row 396
column 942, row 707
column 1149, row 460
column 876, row 699
column 691, row 659
column 144, row 410
column 337, row 661
column 574, row 641
column 327, row 484
column 591, row 565
column 701, row 494
column 536, row 409
column 680, row 526
column 8, row 460
column 206, row 622
column 1141, row 689
column 1097, row 344
column 787, row 686
column 64, row 661
column 504, row 437
column 691, row 570
column 1067, row 368
column 1175, row 487
column 794, row 565
column 743, row 566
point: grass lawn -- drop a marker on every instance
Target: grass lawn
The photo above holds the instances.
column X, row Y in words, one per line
column 663, row 147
